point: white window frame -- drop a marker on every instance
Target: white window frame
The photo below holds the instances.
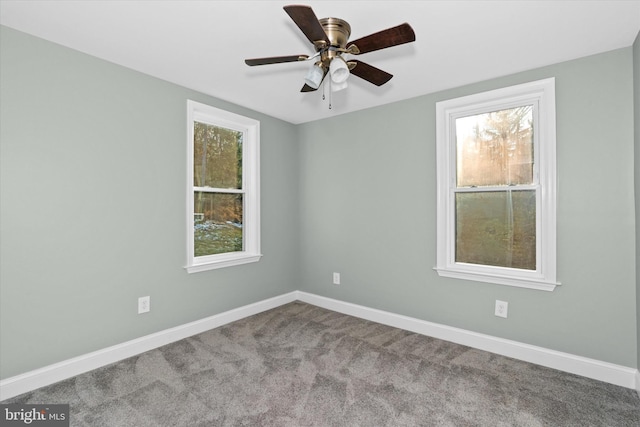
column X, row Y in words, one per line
column 197, row 112
column 540, row 94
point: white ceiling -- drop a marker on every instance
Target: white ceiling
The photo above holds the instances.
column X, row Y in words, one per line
column 202, row 44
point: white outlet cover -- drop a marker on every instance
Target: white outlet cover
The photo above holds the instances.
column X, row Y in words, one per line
column 502, row 308
column 144, row 304
column 336, row 278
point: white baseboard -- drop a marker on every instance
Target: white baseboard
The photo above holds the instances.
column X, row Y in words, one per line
column 590, row 368
column 37, row 378
column 603, row 371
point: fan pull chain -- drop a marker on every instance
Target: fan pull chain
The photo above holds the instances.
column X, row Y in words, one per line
column 323, row 93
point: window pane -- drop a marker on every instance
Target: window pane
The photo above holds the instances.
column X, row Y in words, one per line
column 497, row 228
column 217, row 223
column 217, row 157
column 495, row 148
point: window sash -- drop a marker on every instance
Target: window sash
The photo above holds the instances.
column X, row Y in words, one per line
column 494, row 234
column 494, row 269
column 219, row 190
column 459, row 146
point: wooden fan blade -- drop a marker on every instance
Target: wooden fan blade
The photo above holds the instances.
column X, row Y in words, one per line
column 386, row 38
column 370, row 73
column 306, row 20
column 275, row 60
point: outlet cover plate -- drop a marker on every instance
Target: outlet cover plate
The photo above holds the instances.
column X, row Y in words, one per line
column 144, row 304
column 502, row 308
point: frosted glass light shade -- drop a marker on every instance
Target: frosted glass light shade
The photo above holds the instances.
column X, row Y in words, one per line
column 339, row 70
column 314, row 75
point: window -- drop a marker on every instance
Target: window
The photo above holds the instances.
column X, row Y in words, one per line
column 496, row 177
column 223, row 201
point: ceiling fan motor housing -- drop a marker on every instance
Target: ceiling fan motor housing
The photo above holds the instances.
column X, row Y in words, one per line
column 338, row 32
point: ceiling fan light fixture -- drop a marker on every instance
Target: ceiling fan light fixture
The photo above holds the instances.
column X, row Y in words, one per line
column 330, row 39
column 339, row 71
column 314, row 75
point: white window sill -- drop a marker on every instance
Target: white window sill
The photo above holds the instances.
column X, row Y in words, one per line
column 224, row 260
column 539, row 284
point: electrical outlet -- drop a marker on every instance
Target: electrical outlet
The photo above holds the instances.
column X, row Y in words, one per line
column 502, row 308
column 144, row 304
column 336, row 278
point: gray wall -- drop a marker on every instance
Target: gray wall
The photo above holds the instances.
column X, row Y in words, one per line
column 93, row 207
column 368, row 195
column 92, row 211
column 636, row 120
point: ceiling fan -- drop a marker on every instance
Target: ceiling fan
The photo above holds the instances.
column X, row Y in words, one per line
column 330, row 38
